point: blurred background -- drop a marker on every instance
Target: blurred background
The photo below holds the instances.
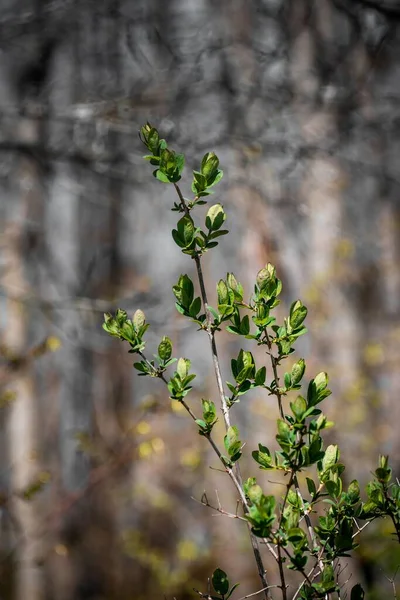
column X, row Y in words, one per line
column 300, row 99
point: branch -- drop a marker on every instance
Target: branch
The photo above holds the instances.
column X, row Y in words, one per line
column 225, row 411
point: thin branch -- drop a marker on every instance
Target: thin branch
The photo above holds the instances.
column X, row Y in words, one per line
column 392, row 581
column 219, row 509
column 274, row 364
column 307, row 520
column 224, row 407
column 283, row 585
column 259, row 592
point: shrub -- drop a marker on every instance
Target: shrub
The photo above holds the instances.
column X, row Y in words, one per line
column 307, row 530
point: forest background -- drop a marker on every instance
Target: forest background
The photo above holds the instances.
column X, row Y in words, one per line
column 300, row 99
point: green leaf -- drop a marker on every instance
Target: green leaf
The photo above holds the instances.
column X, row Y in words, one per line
column 184, row 291
column 255, row 493
column 288, row 380
column 245, row 325
column 299, row 407
column 298, row 313
column 138, row 319
column 317, row 389
column 245, row 373
column 328, row 578
column 235, row 286
column 260, row 376
column 165, row 349
column 295, row 534
column 298, row 371
column 263, row 277
column 222, row 293
column 185, row 232
column 217, row 234
column 215, row 179
column 180, row 162
column 220, row 582
column 353, row 491
column 215, row 217
column 262, row 456
column 202, row 424
column 195, row 307
column 311, row 487
column 209, row 164
column 233, row 588
column 209, row 411
column 283, row 428
column 330, row 458
column 231, row 437
column 321, row 381
column 182, row 367
column 161, row 176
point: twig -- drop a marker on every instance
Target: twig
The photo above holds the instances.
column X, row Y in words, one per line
column 392, row 581
column 219, row 509
column 283, row 585
column 259, row 592
column 276, row 376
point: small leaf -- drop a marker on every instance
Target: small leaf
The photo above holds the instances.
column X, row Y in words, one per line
column 161, row 176
column 220, row 582
column 165, row 349
column 295, row 534
column 263, row 457
column 299, row 407
column 245, row 325
column 311, row 487
column 195, row 307
column 233, row 588
column 260, row 376
column 331, row 457
column 186, row 230
column 298, row 371
column 222, row 292
column 298, row 313
column 354, row 491
column 209, row 411
column 182, row 367
column 231, row 437
column 215, row 217
column 138, row 319
column 255, row 493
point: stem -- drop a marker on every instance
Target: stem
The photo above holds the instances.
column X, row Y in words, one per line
column 237, row 479
column 259, row 592
column 276, row 376
column 293, row 478
column 390, row 512
column 282, row 574
column 307, row 519
column 309, row 525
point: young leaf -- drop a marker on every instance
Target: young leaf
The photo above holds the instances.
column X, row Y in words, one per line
column 298, row 371
column 182, row 367
column 215, row 217
column 165, row 349
column 138, row 319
